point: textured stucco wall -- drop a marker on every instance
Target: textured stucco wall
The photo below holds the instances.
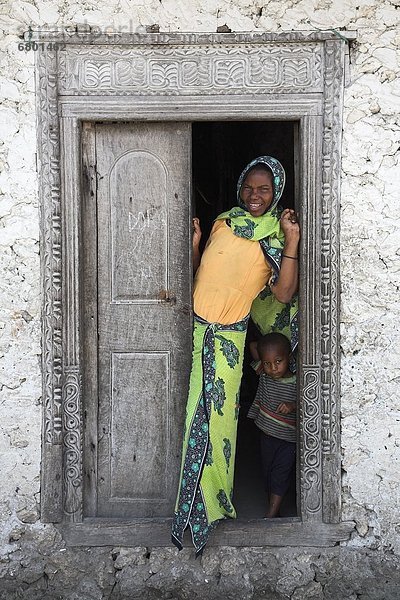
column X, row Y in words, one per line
column 33, row 555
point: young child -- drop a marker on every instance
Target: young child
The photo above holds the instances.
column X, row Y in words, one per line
column 274, row 412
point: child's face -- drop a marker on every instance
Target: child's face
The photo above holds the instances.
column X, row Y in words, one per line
column 275, row 362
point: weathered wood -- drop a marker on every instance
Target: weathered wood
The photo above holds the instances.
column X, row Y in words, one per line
column 50, row 265
column 77, row 37
column 51, row 504
column 330, row 284
column 188, row 108
column 71, row 332
column 309, row 301
column 260, row 532
column 89, row 318
column 144, row 306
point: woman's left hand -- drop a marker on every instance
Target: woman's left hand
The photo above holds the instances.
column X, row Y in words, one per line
column 290, row 225
column 287, row 283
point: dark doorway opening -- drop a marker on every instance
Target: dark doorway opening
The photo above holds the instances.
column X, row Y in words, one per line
column 220, row 151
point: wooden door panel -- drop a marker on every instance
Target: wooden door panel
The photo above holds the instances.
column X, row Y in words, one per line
column 144, row 321
column 139, row 227
column 132, row 424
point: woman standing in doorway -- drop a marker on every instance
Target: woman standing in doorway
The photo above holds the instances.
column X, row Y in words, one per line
column 250, row 247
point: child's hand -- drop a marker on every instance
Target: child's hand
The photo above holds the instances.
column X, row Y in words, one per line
column 260, row 368
column 286, row 408
column 254, row 351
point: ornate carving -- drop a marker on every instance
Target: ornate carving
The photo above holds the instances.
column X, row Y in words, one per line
column 72, row 444
column 330, row 392
column 193, row 71
column 330, row 249
column 96, row 38
column 310, row 426
column 49, row 188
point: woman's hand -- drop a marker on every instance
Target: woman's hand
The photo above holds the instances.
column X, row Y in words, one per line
column 196, row 232
column 290, row 225
column 287, row 282
column 196, row 242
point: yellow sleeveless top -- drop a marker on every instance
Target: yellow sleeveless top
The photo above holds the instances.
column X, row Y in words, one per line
column 232, row 272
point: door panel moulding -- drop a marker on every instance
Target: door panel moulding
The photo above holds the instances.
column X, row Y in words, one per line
column 190, row 77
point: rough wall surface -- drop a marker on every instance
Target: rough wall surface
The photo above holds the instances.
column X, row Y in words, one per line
column 34, row 563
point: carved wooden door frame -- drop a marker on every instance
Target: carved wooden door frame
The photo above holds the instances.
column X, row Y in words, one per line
column 192, row 77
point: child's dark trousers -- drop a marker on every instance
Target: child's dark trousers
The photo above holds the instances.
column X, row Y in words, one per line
column 278, row 460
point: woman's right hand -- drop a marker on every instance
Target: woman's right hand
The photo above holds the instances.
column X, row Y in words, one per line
column 196, row 242
column 196, row 232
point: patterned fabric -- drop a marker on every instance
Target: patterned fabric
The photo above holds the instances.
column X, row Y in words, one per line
column 270, row 394
column 244, row 225
column 270, row 315
column 206, row 482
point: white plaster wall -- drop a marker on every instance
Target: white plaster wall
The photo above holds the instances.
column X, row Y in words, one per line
column 370, row 237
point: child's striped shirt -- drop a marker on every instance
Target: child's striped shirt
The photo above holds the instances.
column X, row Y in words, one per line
column 270, row 394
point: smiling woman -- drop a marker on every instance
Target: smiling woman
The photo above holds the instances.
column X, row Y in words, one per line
column 241, row 257
column 258, row 191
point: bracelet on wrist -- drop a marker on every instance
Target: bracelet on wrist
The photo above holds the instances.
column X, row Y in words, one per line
column 287, row 256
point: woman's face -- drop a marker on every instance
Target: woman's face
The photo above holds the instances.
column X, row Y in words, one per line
column 257, row 192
